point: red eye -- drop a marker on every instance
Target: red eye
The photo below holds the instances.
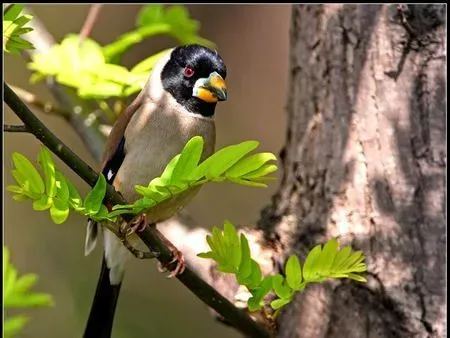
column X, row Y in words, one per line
column 188, row 71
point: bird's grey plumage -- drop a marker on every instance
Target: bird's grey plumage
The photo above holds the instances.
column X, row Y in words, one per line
column 156, row 131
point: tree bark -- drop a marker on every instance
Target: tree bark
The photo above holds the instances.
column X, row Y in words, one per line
column 365, row 160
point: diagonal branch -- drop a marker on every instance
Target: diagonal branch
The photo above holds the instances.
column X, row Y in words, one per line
column 239, row 319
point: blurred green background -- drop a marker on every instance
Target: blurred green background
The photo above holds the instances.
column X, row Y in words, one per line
column 253, row 40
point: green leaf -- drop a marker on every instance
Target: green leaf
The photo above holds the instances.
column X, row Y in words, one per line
column 280, row 287
column 62, row 189
column 293, row 272
column 189, row 158
column 43, row 203
column 74, row 196
column 264, row 170
column 341, row 257
column 246, row 261
column 13, row 30
column 94, row 198
column 149, row 15
column 279, row 303
column 326, row 257
column 14, row 325
column 114, row 50
column 355, row 258
column 24, row 283
column 223, row 159
column 357, row 277
column 255, row 275
column 26, row 168
column 48, row 167
column 309, row 272
column 12, row 12
column 59, row 211
column 14, row 188
column 209, row 255
column 257, row 300
column 232, row 244
column 249, row 164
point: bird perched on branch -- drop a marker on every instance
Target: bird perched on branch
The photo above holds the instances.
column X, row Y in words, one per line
column 176, row 104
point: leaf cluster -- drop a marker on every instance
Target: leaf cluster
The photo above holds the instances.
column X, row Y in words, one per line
column 51, row 190
column 94, row 71
column 18, row 294
column 232, row 255
column 14, row 28
column 184, row 172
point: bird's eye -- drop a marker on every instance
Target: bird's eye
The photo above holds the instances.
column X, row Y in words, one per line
column 188, row 71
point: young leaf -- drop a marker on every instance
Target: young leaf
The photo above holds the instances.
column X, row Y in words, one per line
column 246, row 261
column 48, row 167
column 264, row 170
column 249, row 164
column 280, row 287
column 341, row 257
column 225, row 158
column 279, row 303
column 43, row 203
column 256, row 301
column 326, row 257
column 13, row 325
column 26, row 168
column 254, row 279
column 94, row 198
column 59, row 211
column 293, row 272
column 309, row 272
column 189, row 158
column 357, row 277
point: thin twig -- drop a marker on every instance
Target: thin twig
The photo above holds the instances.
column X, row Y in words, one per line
column 9, row 128
column 90, row 22
column 239, row 319
column 46, row 107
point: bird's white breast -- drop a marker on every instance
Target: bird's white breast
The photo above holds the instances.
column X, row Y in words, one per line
column 154, row 135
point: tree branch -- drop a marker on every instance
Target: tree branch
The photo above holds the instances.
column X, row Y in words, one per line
column 46, row 107
column 90, row 22
column 8, row 128
column 149, row 236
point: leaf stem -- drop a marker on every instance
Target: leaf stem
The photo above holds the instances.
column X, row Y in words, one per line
column 239, row 319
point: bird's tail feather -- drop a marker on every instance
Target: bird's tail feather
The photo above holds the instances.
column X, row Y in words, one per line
column 101, row 317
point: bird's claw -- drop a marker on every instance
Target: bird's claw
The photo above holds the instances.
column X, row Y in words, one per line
column 179, row 269
column 138, row 224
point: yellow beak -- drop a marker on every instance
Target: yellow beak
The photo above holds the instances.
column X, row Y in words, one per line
column 211, row 89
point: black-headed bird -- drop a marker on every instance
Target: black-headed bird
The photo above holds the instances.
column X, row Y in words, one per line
column 177, row 103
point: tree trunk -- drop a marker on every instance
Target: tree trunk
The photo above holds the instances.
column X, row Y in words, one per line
column 365, row 160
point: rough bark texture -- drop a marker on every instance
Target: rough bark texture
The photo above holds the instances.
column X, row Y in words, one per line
column 365, row 160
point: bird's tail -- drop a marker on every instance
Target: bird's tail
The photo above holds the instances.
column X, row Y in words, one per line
column 101, row 317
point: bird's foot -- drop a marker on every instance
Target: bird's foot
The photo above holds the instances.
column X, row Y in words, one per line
column 138, row 224
column 177, row 257
column 179, row 269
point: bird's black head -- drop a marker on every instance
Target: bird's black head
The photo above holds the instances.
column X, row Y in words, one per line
column 195, row 75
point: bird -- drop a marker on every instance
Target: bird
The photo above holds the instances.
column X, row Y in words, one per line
column 177, row 103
